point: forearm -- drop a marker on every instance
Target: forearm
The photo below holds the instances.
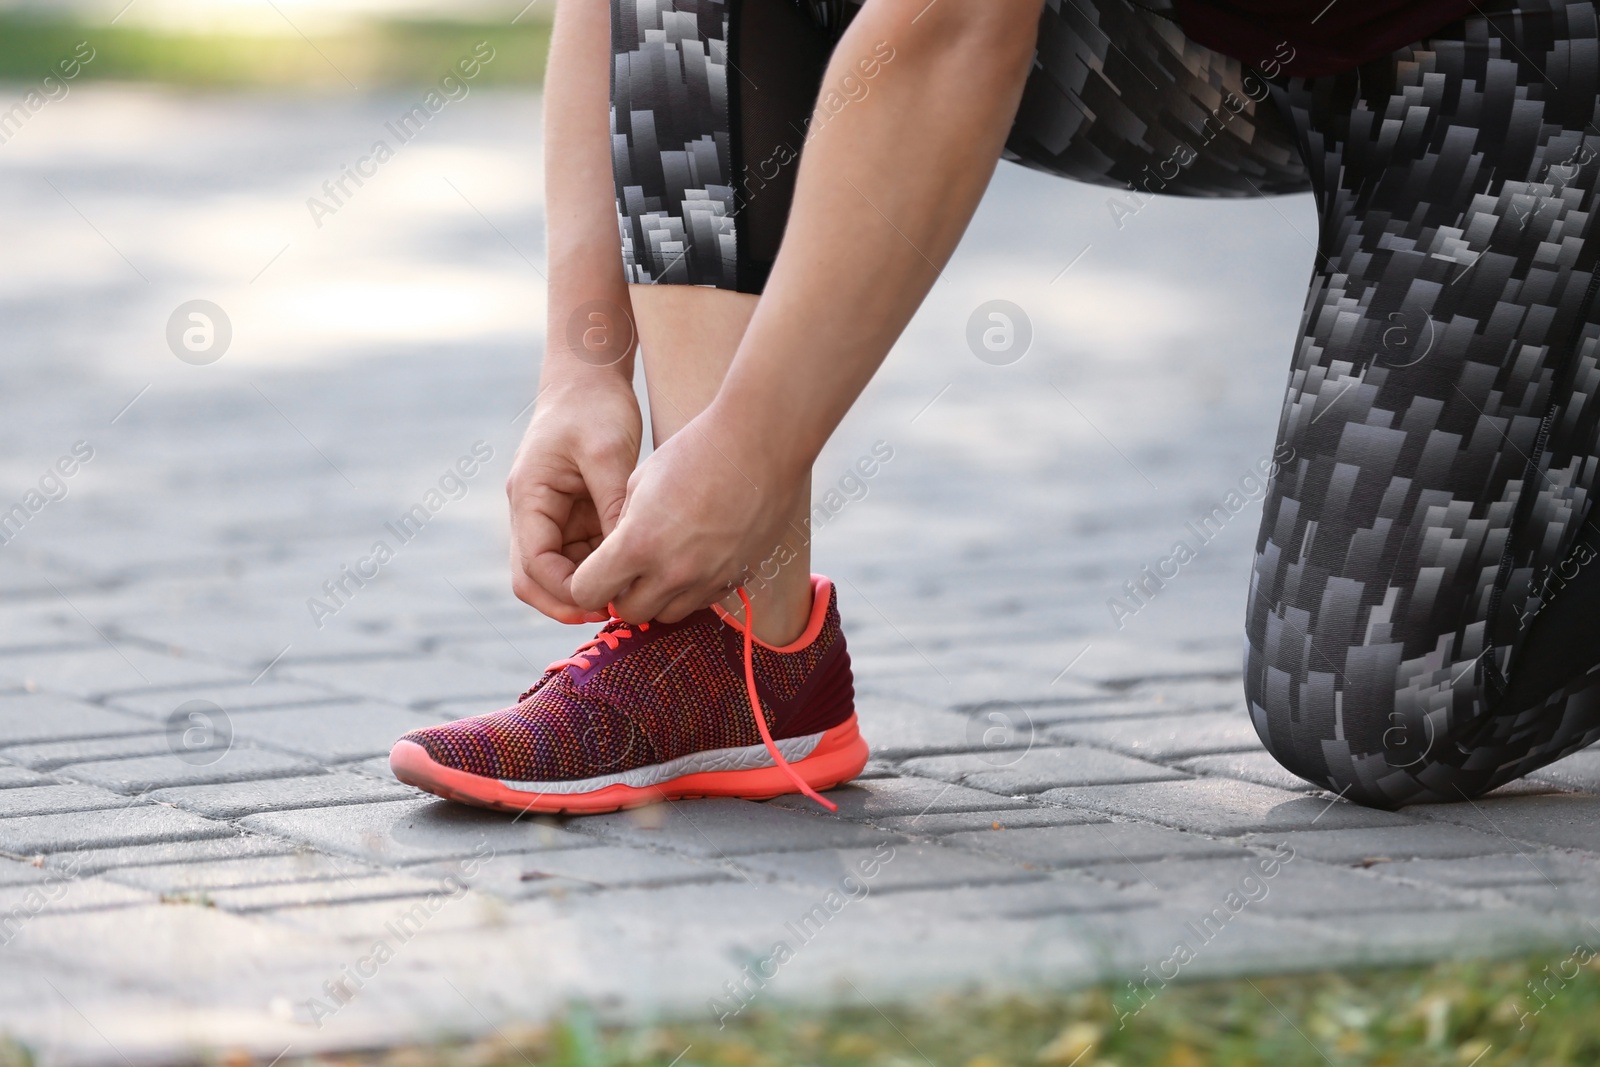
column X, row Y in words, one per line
column 585, row 261
column 885, row 190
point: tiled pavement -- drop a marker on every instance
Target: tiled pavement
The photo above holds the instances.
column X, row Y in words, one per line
column 1051, row 799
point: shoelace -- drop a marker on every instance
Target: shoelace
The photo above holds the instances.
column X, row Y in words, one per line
column 761, row 718
column 612, row 635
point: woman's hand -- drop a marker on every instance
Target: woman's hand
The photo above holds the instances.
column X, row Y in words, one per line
column 703, row 510
column 567, row 487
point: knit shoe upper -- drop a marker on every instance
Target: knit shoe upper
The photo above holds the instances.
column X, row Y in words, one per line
column 636, row 696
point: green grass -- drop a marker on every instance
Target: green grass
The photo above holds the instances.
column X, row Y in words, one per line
column 1475, row 1014
column 376, row 55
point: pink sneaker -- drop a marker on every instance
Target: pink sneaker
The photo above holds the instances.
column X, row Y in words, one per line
column 659, row 711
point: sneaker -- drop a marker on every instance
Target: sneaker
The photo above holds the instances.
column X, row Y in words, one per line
column 658, row 711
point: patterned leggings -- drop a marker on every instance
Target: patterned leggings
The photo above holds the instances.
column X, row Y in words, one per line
column 1421, row 624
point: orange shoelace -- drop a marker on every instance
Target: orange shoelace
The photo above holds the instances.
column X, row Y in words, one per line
column 584, row 655
column 761, row 718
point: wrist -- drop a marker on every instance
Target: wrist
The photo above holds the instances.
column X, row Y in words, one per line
column 764, row 443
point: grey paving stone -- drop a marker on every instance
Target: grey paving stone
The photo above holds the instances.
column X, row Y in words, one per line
column 101, row 670
column 412, row 681
column 1581, row 770
column 876, row 798
column 723, row 827
column 20, row 903
column 1095, row 843
column 51, row 799
column 384, row 886
column 607, row 866
column 139, row 824
column 1221, row 806
column 178, row 854
column 336, row 733
column 1390, row 937
column 894, row 727
column 239, row 873
column 158, row 772
column 236, row 800
column 21, row 872
column 20, row 777
column 409, row 831
column 1257, row 767
column 32, row 717
column 267, row 693
column 853, row 872
column 1039, row 769
column 1011, row 818
column 52, row 755
column 378, row 767
column 1166, row 737
column 1387, row 842
column 1567, row 820
column 1064, row 892
column 1479, row 872
column 1298, row 887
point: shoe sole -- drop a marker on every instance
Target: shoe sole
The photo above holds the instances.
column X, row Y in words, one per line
column 837, row 758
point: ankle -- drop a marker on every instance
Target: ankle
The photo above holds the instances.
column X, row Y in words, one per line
column 782, row 611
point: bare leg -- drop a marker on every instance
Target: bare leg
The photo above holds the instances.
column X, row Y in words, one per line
column 687, row 336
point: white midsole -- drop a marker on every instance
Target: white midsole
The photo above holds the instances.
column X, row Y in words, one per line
column 746, row 758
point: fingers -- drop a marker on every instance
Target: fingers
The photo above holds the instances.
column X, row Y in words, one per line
column 607, row 476
column 541, row 571
column 603, row 576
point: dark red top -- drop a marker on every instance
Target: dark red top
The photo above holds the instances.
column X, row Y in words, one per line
column 1310, row 39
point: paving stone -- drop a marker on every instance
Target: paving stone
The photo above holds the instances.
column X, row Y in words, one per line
column 1166, row 737
column 410, row 831
column 877, row 798
column 377, row 767
column 412, row 681
column 21, row 872
column 1567, row 820
column 895, row 727
column 1096, row 843
column 236, row 800
column 1220, row 806
column 1387, row 842
column 267, row 693
column 853, row 872
column 360, row 922
column 139, row 824
column 1581, row 770
column 19, row 904
column 158, row 772
column 177, row 854
column 607, row 866
column 34, row 717
column 1039, row 769
column 50, row 799
column 336, row 733
column 1298, row 887
column 1257, row 767
column 100, row 670
column 239, row 873
column 325, row 891
column 20, row 777
column 724, row 827
column 959, row 821
column 1480, row 872
column 1064, row 892
column 53, row 755
column 1390, row 937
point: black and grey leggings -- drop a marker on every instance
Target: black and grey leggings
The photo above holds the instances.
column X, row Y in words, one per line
column 1421, row 624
